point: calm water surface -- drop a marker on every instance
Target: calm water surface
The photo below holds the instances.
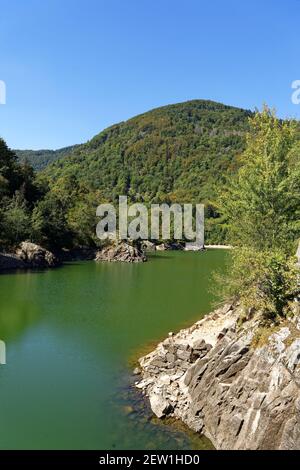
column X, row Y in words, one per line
column 70, row 335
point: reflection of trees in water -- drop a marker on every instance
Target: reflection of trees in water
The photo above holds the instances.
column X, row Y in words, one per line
column 17, row 309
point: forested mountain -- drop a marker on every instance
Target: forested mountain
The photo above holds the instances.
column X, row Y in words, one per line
column 178, row 153
column 39, row 159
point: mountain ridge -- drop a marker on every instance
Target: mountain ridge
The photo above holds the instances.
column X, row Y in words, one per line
column 41, row 158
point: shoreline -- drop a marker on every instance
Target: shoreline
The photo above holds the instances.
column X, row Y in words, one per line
column 11, row 262
column 212, row 377
column 218, row 247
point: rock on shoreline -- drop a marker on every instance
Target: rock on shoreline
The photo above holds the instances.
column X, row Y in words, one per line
column 121, row 252
column 28, row 256
column 10, row 262
column 34, row 256
column 213, row 378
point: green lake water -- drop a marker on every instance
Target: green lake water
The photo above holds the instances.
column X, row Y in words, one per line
column 71, row 334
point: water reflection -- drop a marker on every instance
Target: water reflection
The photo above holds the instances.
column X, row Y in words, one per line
column 69, row 335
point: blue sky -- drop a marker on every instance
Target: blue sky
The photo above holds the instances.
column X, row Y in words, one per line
column 74, row 67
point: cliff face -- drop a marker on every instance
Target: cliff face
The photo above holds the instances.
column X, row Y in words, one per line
column 240, row 386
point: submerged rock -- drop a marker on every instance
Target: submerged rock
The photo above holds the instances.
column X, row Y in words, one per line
column 213, row 378
column 121, row 252
column 34, row 256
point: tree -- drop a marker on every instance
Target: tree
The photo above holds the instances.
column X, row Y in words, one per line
column 49, row 222
column 16, row 221
column 261, row 206
column 262, row 203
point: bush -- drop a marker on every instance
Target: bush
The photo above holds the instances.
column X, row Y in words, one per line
column 264, row 281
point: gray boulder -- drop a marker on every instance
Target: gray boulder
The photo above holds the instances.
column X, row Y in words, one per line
column 159, row 405
column 34, row 256
column 122, row 252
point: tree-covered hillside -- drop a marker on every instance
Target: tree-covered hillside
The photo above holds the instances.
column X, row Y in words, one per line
column 181, row 153
column 39, row 159
column 178, row 153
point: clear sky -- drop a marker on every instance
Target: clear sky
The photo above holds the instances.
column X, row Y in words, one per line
column 74, row 67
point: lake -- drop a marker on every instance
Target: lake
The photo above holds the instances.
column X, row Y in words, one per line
column 72, row 335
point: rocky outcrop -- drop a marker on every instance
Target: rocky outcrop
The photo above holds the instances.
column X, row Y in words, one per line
column 121, row 252
column 34, row 256
column 240, row 386
column 28, row 256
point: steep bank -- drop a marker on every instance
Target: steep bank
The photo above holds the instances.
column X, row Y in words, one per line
column 240, row 386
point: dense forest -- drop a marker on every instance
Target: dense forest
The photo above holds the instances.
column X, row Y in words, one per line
column 39, row 159
column 177, row 153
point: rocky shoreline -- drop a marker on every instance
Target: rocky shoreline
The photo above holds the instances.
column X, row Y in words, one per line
column 239, row 385
column 28, row 256
column 31, row 256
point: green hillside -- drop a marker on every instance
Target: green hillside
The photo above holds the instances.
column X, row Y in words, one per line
column 178, row 151
column 39, row 159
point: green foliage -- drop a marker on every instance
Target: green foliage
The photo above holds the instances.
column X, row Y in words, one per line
column 16, row 223
column 19, row 192
column 264, row 281
column 260, row 206
column 178, row 153
column 39, row 159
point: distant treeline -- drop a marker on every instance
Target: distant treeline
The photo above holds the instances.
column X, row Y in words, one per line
column 39, row 159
